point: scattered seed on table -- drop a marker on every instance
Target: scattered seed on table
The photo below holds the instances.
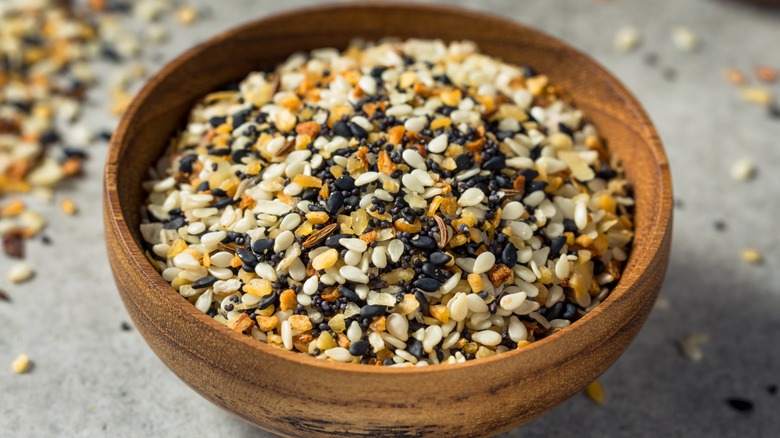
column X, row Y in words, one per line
column 4, row 296
column 650, row 59
column 125, row 326
column 595, row 392
column 690, row 346
column 13, row 244
column 759, row 96
column 740, row 404
column 685, row 39
column 187, row 14
column 743, row 169
column 20, row 272
column 734, row 76
column 774, row 111
column 68, row 207
column 21, row 364
column 752, row 256
column 720, row 225
column 627, row 39
column 662, row 303
column 766, row 74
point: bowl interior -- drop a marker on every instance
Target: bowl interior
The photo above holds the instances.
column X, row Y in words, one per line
column 161, row 108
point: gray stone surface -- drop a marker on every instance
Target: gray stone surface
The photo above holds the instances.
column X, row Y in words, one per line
column 93, row 379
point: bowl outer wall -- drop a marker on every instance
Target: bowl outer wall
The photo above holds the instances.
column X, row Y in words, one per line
column 293, row 394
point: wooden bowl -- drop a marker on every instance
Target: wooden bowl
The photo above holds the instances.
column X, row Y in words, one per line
column 294, row 394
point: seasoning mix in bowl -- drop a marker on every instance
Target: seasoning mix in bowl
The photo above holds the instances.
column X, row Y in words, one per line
column 397, row 203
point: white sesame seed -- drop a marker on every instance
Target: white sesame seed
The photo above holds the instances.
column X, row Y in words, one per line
column 484, row 262
column 517, row 330
column 339, row 354
column 366, row 178
column 379, row 257
column 487, row 337
column 310, row 285
column 581, row 215
column 414, row 159
column 353, row 274
column 284, row 240
column 399, row 110
column 458, row 307
column 368, row 85
column 415, row 124
column 477, row 304
column 470, row 197
column 423, row 176
column 562, row 268
column 439, row 144
column 185, row 260
column 512, row 210
column 398, row 326
column 287, row 335
column 433, row 335
column 290, row 222
column 353, row 244
column 412, row 183
column 512, row 301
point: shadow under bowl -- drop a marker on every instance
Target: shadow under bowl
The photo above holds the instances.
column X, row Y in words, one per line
column 294, row 394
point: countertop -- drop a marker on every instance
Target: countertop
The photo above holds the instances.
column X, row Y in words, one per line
column 91, row 377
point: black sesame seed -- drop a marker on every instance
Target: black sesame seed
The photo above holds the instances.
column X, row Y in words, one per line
column 424, row 242
column 222, row 203
column 740, row 404
column 358, row 348
column 247, row 257
column 350, row 294
column 535, row 186
column 333, row 241
column 439, row 258
column 267, row 300
column 125, row 326
column 372, row 311
column 427, row 284
column 431, row 270
column 261, row 246
column 494, row 164
column 342, row 129
column 555, row 311
column 346, row 182
column 556, row 245
column 415, row 348
column 464, row 162
column 357, row 130
column 424, row 306
column 509, row 255
column 204, row 282
column 335, row 202
column 569, row 312
column 175, row 224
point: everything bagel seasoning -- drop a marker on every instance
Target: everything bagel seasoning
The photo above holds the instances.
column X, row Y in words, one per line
column 397, row 203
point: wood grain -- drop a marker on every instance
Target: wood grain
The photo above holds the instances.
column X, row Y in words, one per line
column 296, row 395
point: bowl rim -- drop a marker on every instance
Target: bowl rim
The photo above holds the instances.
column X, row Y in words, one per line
column 641, row 257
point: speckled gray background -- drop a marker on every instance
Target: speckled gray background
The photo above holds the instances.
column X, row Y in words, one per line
column 93, row 379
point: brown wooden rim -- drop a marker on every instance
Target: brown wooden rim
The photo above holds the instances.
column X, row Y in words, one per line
column 641, row 257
